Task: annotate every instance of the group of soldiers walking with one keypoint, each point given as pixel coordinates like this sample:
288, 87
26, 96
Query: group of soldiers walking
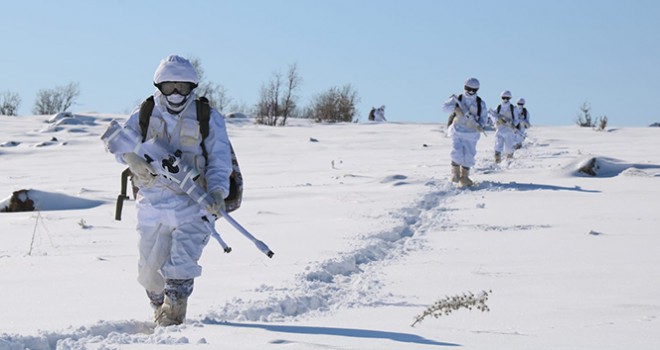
469, 117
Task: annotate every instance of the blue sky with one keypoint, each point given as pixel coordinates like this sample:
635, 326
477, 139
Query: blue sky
407, 55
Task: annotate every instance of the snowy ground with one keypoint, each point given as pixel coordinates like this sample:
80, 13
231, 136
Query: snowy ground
367, 233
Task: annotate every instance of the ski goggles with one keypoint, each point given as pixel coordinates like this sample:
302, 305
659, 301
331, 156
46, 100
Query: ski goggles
470, 90
506, 98
169, 87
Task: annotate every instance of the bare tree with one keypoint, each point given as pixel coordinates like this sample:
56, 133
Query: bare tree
69, 94
334, 105
55, 100
215, 93
268, 107
9, 102
278, 99
289, 100
197, 64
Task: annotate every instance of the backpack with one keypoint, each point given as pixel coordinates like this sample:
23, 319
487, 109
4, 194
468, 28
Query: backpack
460, 98
523, 114
499, 108
372, 117
234, 199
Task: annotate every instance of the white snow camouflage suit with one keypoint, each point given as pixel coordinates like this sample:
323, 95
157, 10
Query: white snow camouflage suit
523, 124
463, 133
172, 233
505, 128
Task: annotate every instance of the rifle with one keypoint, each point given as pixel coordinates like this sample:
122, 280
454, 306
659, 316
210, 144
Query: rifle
464, 114
503, 120
172, 171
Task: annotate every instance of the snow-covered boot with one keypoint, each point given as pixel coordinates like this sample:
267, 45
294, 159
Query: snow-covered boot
455, 172
156, 301
156, 298
465, 181
172, 312
509, 156
498, 157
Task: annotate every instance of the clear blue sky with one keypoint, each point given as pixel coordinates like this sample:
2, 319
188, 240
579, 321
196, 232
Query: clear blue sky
408, 55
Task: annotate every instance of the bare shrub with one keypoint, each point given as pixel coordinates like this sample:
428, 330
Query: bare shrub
55, 100
602, 123
9, 102
334, 105
585, 119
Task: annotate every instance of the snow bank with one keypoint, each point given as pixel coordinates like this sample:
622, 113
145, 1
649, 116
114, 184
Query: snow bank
44, 201
605, 167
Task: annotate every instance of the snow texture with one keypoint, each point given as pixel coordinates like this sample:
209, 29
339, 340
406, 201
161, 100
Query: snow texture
368, 232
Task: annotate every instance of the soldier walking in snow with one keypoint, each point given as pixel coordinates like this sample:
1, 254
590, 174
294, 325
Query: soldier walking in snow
505, 119
466, 122
170, 225
523, 123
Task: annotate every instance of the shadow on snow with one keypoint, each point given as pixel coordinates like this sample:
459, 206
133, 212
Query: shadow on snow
342, 332
530, 187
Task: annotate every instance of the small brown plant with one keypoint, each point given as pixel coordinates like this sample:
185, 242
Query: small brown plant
450, 304
602, 123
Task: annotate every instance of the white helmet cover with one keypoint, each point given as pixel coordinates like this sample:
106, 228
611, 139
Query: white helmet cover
506, 93
175, 68
521, 101
472, 83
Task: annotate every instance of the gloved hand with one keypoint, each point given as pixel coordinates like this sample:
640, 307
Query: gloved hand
458, 111
143, 172
218, 202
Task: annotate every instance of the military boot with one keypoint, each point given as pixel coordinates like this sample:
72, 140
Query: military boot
465, 181
498, 157
455, 172
172, 312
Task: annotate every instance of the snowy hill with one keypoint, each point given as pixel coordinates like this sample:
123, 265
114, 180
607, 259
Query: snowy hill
367, 232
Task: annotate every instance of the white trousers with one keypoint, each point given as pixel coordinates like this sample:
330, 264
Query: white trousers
505, 140
170, 252
463, 147
520, 136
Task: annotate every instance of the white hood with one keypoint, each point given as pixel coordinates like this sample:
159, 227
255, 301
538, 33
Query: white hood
175, 68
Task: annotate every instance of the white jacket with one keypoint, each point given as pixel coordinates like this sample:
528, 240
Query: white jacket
506, 118
181, 132
470, 123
